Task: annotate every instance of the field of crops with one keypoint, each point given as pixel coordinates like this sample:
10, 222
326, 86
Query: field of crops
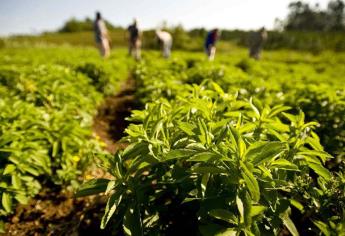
230, 147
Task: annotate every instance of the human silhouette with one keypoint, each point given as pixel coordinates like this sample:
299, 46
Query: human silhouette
101, 36
210, 43
256, 42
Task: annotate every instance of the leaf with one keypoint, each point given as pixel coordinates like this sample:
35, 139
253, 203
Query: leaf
288, 223
132, 224
320, 170
134, 150
251, 182
224, 215
278, 109
238, 141
186, 127
298, 205
92, 187
7, 202
257, 210
112, 204
264, 151
322, 227
218, 89
240, 208
255, 109
216, 230
208, 169
16, 181
204, 157
283, 164
9, 169
204, 181
2, 227
324, 156
179, 153
110, 186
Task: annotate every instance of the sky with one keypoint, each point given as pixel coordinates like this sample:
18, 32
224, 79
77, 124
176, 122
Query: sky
36, 16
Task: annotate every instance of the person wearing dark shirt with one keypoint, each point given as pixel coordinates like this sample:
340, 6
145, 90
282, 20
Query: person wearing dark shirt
210, 43
134, 42
101, 36
256, 42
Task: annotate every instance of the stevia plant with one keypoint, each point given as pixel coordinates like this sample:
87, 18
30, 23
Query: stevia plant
227, 165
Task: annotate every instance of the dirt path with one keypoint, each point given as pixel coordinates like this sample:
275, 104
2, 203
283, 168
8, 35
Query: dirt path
55, 211
110, 123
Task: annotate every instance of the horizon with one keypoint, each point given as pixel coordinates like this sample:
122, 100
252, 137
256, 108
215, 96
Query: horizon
26, 17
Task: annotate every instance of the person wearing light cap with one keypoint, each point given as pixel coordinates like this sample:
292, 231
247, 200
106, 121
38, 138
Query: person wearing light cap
101, 36
165, 40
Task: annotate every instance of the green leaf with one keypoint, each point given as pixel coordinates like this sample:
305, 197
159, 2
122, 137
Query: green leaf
112, 204
110, 186
179, 153
255, 108
278, 109
288, 223
204, 157
322, 227
218, 89
264, 151
257, 210
298, 205
186, 127
240, 208
134, 150
251, 182
208, 169
216, 230
320, 170
7, 202
92, 187
2, 227
132, 224
204, 181
224, 215
283, 164
9, 169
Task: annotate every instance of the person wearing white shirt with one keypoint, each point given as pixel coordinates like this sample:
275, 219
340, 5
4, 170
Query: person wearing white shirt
165, 40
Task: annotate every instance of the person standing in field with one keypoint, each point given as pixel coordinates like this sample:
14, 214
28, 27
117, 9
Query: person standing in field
165, 40
210, 43
134, 42
256, 41
101, 36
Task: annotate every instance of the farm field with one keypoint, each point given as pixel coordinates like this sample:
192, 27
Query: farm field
230, 147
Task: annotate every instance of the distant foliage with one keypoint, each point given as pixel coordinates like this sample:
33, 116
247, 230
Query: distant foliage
302, 16
74, 25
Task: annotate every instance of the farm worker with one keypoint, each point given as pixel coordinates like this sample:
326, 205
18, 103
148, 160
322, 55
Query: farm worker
165, 40
134, 42
101, 36
210, 43
256, 41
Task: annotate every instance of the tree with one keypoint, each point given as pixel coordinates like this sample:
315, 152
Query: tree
302, 16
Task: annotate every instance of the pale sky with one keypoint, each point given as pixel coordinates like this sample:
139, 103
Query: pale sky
35, 16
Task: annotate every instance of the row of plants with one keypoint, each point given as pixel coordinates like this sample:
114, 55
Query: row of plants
48, 97
225, 149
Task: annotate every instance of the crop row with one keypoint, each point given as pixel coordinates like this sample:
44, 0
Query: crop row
225, 149
47, 101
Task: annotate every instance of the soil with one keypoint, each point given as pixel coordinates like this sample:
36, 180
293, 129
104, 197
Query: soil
55, 210
110, 123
